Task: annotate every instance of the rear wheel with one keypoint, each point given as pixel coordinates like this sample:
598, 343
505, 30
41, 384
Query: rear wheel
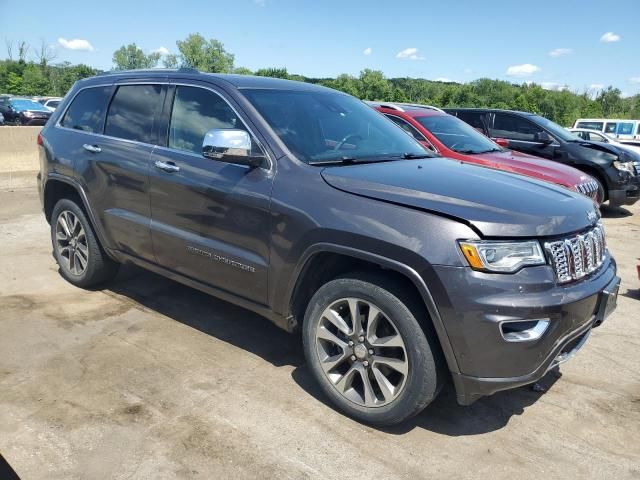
367, 350
81, 259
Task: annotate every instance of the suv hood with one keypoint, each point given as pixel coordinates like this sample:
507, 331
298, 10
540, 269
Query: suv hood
496, 203
523, 164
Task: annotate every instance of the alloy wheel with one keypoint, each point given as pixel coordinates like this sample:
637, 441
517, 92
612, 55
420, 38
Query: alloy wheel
361, 352
71, 243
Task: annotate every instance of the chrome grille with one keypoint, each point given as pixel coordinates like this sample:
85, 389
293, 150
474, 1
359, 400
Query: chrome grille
574, 257
590, 189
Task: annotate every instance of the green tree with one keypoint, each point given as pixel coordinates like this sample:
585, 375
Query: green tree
374, 85
130, 57
204, 55
242, 71
610, 101
273, 72
171, 61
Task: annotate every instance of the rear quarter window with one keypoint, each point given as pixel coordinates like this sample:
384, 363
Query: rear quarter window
87, 109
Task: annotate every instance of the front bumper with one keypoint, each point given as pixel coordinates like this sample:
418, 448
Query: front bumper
475, 305
627, 194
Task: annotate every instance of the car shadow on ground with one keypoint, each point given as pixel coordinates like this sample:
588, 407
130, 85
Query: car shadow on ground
255, 334
614, 212
6, 472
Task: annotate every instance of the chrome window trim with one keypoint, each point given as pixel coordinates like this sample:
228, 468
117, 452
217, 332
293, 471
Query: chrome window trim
153, 145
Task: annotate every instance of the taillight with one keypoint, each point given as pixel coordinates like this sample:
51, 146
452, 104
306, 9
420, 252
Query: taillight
39, 139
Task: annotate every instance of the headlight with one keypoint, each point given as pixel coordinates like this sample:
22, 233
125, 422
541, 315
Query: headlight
499, 256
28, 114
624, 166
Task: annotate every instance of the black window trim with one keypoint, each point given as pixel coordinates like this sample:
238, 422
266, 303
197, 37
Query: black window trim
414, 128
166, 121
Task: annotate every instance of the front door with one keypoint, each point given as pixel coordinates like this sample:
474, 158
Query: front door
210, 219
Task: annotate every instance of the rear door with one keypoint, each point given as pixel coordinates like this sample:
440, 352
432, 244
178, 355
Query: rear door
115, 166
522, 135
210, 219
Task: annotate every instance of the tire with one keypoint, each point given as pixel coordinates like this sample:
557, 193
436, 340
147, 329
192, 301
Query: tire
344, 383
82, 260
603, 194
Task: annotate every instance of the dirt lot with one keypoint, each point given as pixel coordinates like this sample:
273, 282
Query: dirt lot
150, 379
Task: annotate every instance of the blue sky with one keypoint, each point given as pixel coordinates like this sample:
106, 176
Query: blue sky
582, 44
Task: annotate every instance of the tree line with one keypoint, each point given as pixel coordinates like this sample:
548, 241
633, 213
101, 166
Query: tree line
32, 71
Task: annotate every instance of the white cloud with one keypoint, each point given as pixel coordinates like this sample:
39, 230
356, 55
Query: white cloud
554, 86
443, 79
161, 51
610, 37
367, 51
468, 70
75, 44
634, 80
596, 86
559, 52
523, 70
409, 54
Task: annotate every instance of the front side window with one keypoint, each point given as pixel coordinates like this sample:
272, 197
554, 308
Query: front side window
327, 127
457, 135
514, 128
86, 111
133, 111
475, 119
196, 111
610, 127
407, 127
594, 137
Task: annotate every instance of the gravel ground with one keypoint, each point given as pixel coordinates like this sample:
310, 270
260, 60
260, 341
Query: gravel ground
150, 379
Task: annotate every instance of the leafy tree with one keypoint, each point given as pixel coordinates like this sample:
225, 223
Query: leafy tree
242, 71
205, 55
373, 85
273, 72
130, 57
610, 101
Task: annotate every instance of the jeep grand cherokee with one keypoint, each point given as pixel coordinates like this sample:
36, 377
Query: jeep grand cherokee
305, 205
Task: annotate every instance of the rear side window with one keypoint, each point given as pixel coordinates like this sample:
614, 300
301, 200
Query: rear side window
610, 127
590, 125
133, 111
625, 128
475, 119
195, 112
86, 111
514, 128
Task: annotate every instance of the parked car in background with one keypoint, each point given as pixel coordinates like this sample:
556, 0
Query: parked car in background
450, 137
612, 168
22, 111
51, 103
401, 271
1, 119
618, 128
594, 136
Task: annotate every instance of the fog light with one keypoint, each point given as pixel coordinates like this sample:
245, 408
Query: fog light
524, 330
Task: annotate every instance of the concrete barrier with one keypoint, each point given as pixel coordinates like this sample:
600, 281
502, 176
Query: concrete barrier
18, 149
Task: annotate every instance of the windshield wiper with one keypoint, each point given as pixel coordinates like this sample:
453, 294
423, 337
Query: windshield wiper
349, 160
415, 156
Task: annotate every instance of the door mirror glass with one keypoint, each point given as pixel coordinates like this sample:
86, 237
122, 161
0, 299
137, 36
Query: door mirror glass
231, 145
543, 137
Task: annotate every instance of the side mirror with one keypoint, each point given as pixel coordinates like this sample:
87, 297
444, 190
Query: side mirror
232, 146
543, 137
503, 142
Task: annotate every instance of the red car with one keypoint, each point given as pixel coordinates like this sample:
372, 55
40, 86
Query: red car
452, 138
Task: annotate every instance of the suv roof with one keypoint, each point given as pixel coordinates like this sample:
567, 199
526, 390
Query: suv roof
410, 109
238, 81
472, 109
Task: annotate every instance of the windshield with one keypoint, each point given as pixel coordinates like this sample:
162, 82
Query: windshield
319, 127
457, 135
23, 104
556, 130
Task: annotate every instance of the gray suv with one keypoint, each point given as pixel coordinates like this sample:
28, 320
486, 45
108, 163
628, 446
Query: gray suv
401, 270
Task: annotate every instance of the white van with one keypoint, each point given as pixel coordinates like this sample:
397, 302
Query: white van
616, 128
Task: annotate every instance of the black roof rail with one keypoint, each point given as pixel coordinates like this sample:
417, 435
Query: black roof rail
149, 70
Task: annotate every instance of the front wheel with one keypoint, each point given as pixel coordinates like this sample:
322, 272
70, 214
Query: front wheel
367, 351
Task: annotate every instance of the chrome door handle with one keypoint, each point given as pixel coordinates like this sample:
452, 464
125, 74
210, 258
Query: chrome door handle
92, 148
167, 166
